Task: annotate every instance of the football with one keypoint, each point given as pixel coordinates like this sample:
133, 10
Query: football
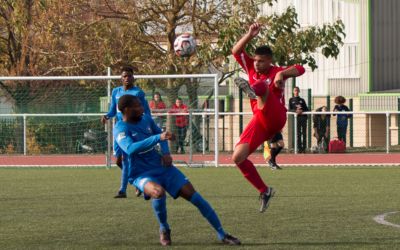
185, 45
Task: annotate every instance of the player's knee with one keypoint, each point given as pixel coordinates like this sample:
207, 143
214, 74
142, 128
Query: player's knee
260, 88
281, 144
157, 192
237, 158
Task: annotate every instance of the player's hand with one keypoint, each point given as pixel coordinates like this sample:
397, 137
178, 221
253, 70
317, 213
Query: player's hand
167, 136
299, 111
278, 80
254, 29
316, 136
103, 119
166, 160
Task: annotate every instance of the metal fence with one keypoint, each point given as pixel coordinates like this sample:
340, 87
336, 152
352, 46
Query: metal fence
26, 133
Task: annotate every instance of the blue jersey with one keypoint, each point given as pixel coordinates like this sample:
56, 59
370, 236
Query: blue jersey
117, 93
342, 118
138, 141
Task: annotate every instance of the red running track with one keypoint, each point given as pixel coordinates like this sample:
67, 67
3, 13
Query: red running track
224, 159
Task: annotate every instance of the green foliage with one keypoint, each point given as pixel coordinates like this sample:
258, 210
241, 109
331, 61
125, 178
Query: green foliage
290, 43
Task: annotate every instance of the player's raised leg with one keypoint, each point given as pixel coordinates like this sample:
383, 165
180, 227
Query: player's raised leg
189, 193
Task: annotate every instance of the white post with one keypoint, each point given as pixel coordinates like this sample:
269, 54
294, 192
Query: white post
190, 137
109, 122
203, 121
387, 132
295, 133
24, 124
216, 107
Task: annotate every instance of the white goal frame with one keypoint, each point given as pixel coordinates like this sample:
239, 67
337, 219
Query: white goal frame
110, 77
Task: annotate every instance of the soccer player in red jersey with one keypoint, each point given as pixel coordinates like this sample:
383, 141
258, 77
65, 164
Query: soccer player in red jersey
267, 103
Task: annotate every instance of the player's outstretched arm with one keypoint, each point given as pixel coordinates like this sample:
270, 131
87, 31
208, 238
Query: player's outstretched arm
130, 146
241, 44
292, 71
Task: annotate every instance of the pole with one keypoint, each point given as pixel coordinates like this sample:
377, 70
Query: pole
203, 122
216, 107
387, 132
190, 137
24, 124
328, 106
109, 123
398, 122
309, 97
295, 133
240, 110
351, 123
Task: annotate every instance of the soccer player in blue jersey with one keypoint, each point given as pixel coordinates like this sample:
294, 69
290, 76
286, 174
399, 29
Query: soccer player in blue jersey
153, 172
127, 88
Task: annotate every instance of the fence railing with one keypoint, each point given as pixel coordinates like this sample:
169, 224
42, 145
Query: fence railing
370, 131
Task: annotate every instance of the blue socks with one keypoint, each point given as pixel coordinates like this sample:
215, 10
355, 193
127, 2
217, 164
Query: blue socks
160, 211
124, 175
208, 212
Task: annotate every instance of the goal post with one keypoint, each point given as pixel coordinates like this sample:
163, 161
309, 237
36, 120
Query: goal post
26, 120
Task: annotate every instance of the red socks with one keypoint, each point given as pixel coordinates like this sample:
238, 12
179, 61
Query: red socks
249, 172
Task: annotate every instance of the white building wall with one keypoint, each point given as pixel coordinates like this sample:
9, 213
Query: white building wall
331, 73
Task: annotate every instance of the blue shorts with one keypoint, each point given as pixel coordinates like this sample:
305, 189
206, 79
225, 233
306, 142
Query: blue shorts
170, 178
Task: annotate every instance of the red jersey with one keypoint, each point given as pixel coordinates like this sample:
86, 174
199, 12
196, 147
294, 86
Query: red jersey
180, 120
157, 105
247, 64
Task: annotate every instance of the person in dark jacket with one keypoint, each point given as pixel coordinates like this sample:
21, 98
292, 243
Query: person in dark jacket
298, 105
342, 119
321, 127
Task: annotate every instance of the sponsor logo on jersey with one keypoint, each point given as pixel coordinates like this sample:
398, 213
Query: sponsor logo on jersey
121, 136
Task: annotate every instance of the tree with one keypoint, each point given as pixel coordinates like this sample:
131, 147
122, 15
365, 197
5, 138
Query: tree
217, 24
50, 37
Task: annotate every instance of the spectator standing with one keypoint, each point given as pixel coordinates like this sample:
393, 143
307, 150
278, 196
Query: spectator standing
342, 119
298, 105
181, 123
158, 106
321, 127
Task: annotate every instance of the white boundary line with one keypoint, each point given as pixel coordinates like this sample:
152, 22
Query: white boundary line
381, 219
209, 164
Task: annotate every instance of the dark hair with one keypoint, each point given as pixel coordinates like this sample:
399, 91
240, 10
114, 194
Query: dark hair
296, 88
127, 101
321, 108
180, 99
128, 69
340, 99
157, 93
263, 51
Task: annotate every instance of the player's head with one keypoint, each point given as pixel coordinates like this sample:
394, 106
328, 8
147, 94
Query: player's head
340, 100
131, 108
262, 59
296, 91
127, 77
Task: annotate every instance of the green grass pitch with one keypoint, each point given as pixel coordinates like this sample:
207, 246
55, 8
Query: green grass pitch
314, 208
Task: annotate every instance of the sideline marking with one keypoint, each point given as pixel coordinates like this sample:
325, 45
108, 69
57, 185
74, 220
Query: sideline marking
381, 219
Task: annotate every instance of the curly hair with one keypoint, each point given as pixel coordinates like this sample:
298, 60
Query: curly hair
340, 99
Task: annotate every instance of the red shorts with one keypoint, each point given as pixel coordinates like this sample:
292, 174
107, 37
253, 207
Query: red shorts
264, 124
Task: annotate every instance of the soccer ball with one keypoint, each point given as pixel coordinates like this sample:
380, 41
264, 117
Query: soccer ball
184, 45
